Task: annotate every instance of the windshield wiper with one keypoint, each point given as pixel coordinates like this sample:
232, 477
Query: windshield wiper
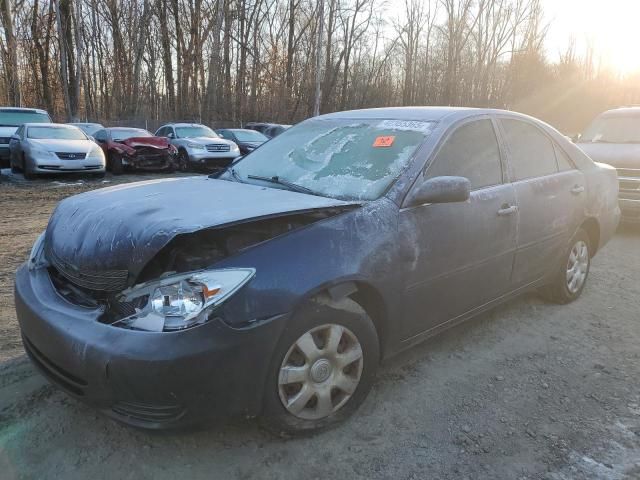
285, 183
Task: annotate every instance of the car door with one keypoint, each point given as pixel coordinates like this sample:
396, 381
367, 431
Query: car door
550, 194
462, 253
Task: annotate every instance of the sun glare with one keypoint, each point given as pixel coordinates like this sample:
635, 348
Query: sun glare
612, 28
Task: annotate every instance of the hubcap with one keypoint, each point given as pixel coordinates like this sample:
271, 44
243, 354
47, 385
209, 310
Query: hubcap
320, 372
577, 266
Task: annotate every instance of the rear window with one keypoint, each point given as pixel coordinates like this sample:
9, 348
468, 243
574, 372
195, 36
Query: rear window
16, 118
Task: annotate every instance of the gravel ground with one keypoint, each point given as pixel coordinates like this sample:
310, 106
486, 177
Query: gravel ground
527, 391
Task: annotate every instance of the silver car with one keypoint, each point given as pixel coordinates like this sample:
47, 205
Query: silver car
614, 138
38, 148
10, 119
198, 146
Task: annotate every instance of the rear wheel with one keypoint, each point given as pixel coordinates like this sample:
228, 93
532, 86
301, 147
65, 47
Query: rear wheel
323, 367
571, 277
115, 160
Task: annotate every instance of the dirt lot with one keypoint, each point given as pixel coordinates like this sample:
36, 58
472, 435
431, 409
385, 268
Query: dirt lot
528, 391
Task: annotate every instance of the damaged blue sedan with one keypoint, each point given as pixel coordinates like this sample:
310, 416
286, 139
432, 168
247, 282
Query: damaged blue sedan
275, 289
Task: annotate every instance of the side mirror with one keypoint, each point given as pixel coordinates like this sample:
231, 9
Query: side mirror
575, 138
171, 135
441, 190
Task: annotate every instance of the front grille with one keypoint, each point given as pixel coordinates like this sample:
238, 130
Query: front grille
57, 374
147, 412
218, 147
71, 155
104, 281
629, 172
629, 183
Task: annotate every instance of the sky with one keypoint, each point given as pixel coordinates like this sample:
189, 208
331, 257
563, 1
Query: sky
612, 25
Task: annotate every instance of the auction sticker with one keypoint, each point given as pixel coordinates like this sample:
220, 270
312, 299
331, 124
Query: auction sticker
384, 141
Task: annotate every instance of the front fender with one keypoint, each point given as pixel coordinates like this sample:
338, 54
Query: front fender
357, 246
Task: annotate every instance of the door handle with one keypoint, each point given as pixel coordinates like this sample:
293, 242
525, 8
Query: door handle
577, 189
507, 210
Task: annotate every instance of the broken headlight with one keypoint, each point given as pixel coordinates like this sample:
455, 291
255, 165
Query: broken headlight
181, 301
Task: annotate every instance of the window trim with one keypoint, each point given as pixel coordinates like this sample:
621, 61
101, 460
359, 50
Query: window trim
449, 133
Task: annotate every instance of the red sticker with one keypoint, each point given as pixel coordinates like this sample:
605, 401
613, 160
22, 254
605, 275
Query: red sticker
384, 141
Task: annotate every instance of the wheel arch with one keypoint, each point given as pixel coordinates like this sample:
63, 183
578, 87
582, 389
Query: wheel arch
365, 295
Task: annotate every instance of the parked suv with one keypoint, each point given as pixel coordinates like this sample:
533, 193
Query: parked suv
10, 119
614, 138
198, 146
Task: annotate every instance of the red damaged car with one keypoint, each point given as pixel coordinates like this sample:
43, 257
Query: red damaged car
135, 148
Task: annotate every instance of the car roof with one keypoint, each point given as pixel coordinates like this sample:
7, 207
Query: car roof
21, 109
54, 125
183, 124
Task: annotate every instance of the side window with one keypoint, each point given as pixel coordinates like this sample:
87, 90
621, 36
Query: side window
471, 151
162, 132
564, 164
101, 135
532, 153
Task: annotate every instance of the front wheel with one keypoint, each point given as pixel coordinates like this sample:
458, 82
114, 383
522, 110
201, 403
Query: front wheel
26, 171
183, 161
323, 367
115, 159
571, 277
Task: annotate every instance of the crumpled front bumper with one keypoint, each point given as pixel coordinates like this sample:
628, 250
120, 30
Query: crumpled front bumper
146, 379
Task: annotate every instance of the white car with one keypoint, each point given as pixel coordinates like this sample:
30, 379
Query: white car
38, 148
198, 146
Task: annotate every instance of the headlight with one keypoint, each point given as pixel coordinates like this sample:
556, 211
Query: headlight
195, 146
95, 151
39, 152
182, 301
235, 147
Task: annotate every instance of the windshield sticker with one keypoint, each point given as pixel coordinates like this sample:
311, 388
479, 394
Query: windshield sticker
384, 141
425, 127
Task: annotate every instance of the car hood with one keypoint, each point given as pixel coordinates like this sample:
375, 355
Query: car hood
124, 226
208, 140
154, 142
7, 131
71, 146
618, 155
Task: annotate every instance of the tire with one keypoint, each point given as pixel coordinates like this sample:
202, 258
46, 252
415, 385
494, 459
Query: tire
115, 161
183, 161
565, 286
26, 171
339, 376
